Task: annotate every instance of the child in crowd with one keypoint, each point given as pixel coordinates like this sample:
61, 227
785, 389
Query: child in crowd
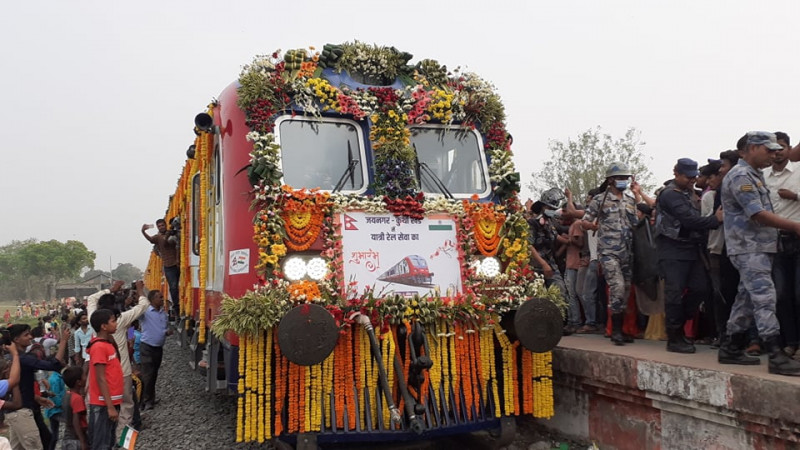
135, 341
83, 334
105, 380
54, 413
76, 429
10, 373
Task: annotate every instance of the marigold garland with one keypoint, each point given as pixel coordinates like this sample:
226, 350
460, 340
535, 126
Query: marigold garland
487, 222
303, 213
204, 228
543, 384
304, 291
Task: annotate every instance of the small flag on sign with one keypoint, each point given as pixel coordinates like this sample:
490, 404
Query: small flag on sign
440, 227
128, 438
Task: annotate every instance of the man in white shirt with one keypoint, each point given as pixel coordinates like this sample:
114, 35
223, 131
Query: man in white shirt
783, 181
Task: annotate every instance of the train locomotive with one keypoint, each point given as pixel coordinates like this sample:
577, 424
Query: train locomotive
354, 257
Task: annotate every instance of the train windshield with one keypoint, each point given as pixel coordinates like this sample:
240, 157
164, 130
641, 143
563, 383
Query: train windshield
455, 156
322, 153
418, 261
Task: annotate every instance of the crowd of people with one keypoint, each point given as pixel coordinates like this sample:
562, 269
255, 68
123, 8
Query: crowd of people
27, 309
721, 241
83, 381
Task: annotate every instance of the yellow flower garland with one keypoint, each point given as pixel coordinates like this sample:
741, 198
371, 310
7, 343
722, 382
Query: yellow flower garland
202, 222
387, 351
240, 390
543, 385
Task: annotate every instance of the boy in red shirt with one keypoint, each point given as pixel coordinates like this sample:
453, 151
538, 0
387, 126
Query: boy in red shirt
105, 380
75, 433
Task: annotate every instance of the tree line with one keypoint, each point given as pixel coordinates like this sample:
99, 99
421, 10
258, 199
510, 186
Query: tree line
32, 269
580, 163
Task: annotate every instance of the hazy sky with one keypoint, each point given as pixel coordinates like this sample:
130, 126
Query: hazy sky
99, 97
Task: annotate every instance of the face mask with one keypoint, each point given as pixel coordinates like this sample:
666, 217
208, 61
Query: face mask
621, 184
550, 212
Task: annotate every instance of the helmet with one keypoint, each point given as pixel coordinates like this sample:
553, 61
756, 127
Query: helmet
552, 198
618, 169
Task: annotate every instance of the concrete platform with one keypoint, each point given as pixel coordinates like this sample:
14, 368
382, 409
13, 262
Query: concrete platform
639, 396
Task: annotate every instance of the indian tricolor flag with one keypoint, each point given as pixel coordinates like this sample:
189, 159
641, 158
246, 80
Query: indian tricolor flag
128, 438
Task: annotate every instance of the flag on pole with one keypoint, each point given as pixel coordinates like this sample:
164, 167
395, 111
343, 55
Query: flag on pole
128, 438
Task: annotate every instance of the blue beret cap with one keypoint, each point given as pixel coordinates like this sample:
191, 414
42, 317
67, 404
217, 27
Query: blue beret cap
687, 167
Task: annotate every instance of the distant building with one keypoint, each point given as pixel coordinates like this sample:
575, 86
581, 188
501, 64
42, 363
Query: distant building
85, 288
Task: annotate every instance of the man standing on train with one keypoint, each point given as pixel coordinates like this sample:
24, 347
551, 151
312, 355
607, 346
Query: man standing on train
166, 246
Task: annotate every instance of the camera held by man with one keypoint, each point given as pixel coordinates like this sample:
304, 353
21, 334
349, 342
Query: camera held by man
173, 234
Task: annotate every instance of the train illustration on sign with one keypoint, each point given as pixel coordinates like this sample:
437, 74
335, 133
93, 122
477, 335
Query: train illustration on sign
411, 270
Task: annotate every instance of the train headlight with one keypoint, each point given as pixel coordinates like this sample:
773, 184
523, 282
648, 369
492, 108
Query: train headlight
294, 268
317, 268
487, 267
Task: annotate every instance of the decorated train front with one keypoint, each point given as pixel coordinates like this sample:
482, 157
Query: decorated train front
355, 259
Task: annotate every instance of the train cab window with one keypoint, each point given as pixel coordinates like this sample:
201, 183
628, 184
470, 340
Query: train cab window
455, 156
324, 153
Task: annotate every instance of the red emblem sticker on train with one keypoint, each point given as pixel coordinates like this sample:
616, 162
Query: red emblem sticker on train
349, 223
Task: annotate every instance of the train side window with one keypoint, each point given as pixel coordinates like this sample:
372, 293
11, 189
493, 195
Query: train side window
217, 174
196, 214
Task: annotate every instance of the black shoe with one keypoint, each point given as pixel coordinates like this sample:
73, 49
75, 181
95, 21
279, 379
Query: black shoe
779, 363
627, 338
676, 342
617, 337
731, 351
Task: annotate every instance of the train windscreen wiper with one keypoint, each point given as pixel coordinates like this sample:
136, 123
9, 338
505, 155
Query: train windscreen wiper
422, 168
350, 170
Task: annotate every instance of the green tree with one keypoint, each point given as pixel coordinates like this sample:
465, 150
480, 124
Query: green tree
580, 164
127, 272
35, 267
13, 283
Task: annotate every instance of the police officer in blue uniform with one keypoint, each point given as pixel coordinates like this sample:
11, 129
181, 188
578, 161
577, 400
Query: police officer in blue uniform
681, 234
751, 237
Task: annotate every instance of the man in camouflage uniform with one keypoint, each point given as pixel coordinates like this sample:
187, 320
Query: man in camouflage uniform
751, 238
544, 237
613, 215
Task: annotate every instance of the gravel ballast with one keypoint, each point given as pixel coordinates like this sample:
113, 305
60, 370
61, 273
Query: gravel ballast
186, 416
